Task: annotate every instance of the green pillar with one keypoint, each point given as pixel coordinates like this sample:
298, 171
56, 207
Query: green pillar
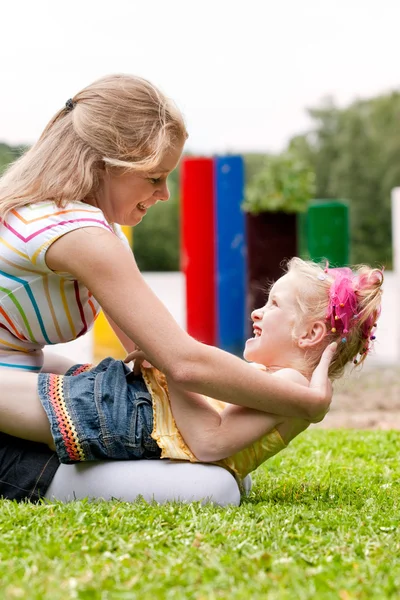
323, 232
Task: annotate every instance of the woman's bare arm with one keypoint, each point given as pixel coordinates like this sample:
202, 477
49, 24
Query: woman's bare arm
101, 262
125, 341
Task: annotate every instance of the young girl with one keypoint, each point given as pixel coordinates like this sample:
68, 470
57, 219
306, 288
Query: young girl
110, 412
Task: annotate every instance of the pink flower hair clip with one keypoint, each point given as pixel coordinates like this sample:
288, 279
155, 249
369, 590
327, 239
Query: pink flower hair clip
342, 301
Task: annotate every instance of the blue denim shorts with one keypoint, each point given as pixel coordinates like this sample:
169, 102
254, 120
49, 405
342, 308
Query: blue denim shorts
98, 413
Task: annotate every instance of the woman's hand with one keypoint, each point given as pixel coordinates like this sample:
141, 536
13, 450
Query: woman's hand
139, 358
321, 383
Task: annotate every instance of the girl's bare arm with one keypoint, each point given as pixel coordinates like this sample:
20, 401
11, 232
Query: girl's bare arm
101, 261
212, 436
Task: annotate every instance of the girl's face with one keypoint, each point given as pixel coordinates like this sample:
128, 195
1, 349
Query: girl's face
273, 344
125, 198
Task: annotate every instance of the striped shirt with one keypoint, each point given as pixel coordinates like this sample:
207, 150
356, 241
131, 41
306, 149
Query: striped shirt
37, 305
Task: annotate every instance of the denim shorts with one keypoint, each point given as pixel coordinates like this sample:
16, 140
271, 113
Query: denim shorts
26, 469
98, 413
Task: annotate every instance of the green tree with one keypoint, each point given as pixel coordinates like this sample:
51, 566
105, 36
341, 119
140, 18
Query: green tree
355, 153
283, 183
9, 154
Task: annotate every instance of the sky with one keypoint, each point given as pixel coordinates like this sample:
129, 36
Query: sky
242, 72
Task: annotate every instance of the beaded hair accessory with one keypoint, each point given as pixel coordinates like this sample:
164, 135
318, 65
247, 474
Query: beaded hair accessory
342, 307
342, 300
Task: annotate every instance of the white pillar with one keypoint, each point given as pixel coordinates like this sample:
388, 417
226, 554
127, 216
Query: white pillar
396, 229
396, 267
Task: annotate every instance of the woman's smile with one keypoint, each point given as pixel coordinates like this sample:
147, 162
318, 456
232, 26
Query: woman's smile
142, 207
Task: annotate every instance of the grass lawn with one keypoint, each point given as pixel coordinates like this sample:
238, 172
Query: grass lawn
322, 521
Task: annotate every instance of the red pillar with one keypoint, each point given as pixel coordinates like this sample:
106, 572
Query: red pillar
198, 252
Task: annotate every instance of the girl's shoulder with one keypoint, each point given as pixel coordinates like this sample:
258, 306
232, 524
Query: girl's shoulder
258, 366
287, 373
292, 375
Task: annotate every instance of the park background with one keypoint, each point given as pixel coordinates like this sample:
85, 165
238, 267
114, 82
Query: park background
314, 84
344, 140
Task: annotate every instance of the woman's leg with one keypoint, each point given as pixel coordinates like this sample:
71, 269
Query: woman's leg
155, 480
56, 363
21, 412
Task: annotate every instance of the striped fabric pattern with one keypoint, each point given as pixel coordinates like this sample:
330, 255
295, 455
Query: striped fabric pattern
37, 306
65, 423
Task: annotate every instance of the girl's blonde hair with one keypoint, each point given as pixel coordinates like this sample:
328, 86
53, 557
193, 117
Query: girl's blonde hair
313, 285
118, 121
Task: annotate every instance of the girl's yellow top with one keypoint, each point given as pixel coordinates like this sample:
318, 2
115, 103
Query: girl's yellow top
172, 444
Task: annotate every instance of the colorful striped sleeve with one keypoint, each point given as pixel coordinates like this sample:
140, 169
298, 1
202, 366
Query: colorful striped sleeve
44, 223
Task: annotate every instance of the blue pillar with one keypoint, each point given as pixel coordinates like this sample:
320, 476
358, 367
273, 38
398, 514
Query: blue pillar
230, 249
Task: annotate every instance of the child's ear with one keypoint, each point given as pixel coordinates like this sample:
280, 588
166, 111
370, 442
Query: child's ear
313, 335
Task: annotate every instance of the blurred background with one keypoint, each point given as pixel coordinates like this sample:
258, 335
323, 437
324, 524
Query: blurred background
308, 90
257, 78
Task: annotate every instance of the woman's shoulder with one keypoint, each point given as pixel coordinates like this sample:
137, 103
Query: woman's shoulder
42, 210
41, 224
47, 220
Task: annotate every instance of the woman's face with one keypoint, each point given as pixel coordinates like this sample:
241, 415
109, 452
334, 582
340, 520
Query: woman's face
125, 198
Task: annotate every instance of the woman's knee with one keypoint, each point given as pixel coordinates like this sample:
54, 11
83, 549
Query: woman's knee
213, 484
159, 481
225, 490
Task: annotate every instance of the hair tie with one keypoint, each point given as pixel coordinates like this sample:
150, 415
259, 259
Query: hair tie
69, 105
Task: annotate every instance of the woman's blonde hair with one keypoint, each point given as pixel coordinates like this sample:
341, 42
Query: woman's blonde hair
313, 286
118, 121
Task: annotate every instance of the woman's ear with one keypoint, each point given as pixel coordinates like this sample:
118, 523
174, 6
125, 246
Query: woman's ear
313, 335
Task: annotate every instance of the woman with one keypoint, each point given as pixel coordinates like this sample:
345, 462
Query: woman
101, 162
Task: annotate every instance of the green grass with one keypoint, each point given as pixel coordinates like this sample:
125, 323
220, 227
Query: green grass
321, 522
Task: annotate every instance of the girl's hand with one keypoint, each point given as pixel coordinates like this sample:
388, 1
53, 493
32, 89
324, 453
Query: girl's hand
139, 359
320, 382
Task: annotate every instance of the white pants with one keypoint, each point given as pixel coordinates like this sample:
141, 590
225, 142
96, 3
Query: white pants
155, 480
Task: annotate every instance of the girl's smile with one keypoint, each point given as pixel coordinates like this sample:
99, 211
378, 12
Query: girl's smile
273, 343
